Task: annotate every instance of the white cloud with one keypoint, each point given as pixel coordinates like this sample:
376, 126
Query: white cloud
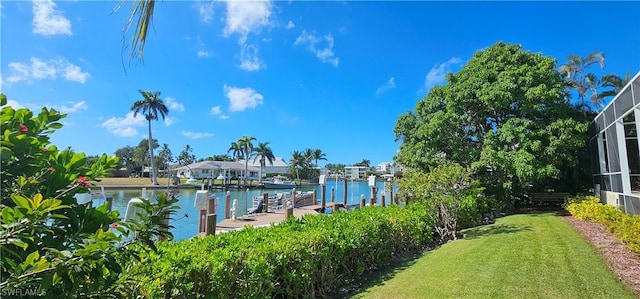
291, 25
123, 126
244, 17
75, 107
249, 60
39, 69
42, 70
73, 73
169, 121
438, 72
391, 83
48, 21
206, 11
202, 53
173, 105
196, 135
242, 98
326, 54
14, 104
217, 111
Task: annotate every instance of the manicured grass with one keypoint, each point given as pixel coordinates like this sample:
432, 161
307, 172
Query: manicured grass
520, 256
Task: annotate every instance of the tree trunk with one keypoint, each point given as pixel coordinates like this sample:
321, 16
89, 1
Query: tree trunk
154, 179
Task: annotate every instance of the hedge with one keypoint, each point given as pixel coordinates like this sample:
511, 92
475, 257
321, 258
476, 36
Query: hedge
624, 226
303, 258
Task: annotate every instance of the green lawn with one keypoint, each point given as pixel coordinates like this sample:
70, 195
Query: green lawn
520, 256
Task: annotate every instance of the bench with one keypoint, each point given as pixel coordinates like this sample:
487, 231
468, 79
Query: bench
548, 196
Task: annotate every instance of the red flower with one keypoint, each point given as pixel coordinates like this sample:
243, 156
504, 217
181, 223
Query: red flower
114, 225
51, 169
44, 149
24, 129
82, 181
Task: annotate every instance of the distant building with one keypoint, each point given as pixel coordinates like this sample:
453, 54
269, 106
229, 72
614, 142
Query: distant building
383, 167
615, 150
213, 169
278, 166
355, 172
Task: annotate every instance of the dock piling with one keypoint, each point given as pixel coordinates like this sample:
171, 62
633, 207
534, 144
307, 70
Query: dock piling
227, 205
211, 224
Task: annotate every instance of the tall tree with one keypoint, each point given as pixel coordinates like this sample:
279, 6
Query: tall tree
126, 154
152, 107
246, 146
265, 153
141, 154
165, 156
364, 163
318, 155
503, 113
575, 73
298, 161
236, 151
614, 82
186, 156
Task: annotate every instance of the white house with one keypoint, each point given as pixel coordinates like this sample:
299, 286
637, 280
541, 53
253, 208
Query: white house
355, 172
383, 167
278, 166
213, 169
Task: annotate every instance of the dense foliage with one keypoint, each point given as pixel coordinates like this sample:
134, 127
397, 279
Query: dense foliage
623, 225
450, 194
48, 241
294, 259
504, 113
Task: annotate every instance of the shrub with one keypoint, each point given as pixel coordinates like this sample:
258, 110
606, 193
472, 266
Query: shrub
449, 193
624, 226
48, 241
295, 259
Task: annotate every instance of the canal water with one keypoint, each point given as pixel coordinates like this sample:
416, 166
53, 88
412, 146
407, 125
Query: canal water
185, 221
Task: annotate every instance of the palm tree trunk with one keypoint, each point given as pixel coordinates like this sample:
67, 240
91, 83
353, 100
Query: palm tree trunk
153, 167
246, 168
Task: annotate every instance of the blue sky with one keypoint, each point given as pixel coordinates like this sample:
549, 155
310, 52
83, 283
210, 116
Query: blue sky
328, 75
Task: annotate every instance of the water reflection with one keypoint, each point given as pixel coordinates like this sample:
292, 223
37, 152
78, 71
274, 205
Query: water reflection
185, 221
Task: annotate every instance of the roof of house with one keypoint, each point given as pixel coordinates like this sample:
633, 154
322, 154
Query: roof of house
277, 162
218, 165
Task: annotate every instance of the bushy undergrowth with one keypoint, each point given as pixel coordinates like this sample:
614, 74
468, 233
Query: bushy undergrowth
295, 259
624, 226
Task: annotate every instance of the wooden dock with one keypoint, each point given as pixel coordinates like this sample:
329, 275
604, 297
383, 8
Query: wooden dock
262, 219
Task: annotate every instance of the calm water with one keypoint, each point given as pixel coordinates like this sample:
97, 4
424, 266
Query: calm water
185, 222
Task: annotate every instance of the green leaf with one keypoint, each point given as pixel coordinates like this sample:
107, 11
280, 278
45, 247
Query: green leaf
21, 201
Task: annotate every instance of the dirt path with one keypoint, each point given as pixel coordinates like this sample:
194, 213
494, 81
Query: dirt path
622, 261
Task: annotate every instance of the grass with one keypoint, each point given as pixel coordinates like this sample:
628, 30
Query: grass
520, 256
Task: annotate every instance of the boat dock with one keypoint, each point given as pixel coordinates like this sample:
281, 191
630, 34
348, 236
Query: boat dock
264, 219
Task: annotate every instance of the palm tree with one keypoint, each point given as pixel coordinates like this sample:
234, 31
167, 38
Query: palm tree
151, 106
298, 160
612, 81
308, 155
246, 145
165, 156
236, 152
266, 154
319, 155
141, 14
574, 72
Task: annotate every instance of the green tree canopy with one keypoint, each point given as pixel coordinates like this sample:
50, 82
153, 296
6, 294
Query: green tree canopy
504, 113
186, 156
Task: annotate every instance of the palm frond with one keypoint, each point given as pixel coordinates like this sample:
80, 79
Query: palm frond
141, 13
